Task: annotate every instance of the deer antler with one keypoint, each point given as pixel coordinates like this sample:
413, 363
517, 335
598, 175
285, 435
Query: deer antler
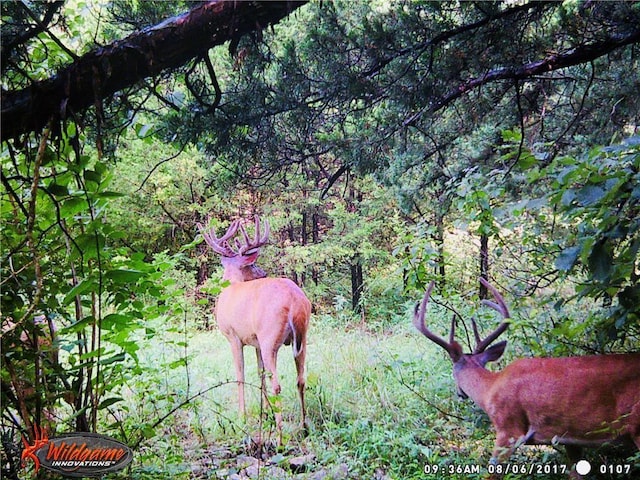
501, 307
419, 323
220, 245
258, 240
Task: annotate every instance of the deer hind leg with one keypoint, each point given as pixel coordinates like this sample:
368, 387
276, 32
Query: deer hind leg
238, 360
263, 386
270, 364
300, 358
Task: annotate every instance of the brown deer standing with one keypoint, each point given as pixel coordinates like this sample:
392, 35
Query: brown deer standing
577, 401
257, 310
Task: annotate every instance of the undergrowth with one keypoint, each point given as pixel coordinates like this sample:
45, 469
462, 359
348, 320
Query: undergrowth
381, 404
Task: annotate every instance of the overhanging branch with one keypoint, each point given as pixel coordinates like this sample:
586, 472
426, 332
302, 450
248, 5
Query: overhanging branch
576, 56
140, 55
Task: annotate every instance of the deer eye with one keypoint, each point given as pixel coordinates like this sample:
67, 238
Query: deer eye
251, 251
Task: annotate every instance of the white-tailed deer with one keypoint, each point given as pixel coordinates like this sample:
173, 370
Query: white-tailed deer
574, 401
257, 310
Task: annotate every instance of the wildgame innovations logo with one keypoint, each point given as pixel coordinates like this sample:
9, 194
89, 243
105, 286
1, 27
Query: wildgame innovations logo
77, 454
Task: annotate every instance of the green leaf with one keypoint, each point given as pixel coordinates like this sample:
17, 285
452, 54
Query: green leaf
118, 357
86, 285
115, 320
568, 258
92, 176
109, 194
526, 160
107, 402
58, 190
90, 245
72, 206
124, 276
601, 262
590, 194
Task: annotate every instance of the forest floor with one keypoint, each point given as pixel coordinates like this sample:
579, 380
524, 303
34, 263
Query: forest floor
380, 405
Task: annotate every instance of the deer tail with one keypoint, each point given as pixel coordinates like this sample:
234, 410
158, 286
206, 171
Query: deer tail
296, 343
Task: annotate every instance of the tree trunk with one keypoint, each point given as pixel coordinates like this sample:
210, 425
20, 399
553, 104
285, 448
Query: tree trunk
357, 283
303, 240
292, 238
440, 248
484, 264
315, 234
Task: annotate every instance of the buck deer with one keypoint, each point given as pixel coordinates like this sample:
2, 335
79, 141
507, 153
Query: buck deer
257, 310
577, 401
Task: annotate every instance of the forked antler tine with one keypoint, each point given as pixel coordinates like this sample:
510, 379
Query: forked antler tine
501, 307
419, 322
452, 332
258, 240
265, 236
220, 245
476, 334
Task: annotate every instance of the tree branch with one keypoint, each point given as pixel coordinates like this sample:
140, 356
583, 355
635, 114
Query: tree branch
449, 34
575, 56
125, 62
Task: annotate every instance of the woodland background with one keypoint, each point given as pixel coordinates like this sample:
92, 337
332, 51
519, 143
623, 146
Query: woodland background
388, 143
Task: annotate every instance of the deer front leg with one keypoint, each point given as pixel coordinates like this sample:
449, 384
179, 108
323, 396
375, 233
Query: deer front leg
574, 453
507, 440
502, 450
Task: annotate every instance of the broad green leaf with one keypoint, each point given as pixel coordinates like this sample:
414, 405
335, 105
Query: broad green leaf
124, 276
107, 402
601, 262
568, 258
590, 194
72, 206
86, 285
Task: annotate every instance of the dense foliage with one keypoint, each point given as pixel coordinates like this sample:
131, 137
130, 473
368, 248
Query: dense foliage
387, 143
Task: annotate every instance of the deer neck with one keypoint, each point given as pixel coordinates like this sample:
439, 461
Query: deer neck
243, 274
473, 380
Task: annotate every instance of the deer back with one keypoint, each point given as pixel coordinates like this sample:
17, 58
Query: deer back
263, 309
582, 400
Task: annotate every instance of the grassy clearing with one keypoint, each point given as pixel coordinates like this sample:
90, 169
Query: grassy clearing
380, 405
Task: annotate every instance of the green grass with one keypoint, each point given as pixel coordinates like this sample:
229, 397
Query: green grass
380, 405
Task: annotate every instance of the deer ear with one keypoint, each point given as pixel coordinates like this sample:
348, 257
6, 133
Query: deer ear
493, 353
250, 258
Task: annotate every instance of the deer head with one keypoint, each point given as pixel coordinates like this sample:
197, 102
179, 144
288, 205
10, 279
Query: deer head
483, 351
574, 401
239, 262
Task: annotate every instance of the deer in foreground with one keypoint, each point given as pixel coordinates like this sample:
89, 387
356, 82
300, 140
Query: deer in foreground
574, 401
257, 310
